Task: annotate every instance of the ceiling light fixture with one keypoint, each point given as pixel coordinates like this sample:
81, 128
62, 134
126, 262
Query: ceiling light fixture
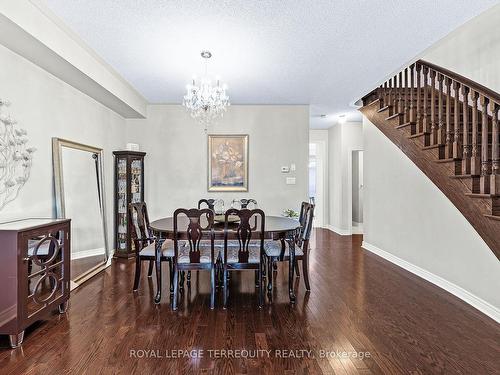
206, 103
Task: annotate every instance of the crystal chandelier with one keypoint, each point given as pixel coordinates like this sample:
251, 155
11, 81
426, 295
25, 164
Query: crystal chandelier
205, 102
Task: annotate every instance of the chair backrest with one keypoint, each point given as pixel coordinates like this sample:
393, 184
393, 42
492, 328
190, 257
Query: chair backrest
139, 221
195, 230
305, 219
215, 205
243, 203
251, 224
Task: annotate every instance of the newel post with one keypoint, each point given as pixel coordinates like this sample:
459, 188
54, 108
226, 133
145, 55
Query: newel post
441, 136
434, 126
419, 104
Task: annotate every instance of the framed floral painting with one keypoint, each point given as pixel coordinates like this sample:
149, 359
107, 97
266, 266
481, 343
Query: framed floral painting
227, 162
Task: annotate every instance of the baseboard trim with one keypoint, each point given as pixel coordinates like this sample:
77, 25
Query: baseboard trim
457, 291
88, 253
342, 232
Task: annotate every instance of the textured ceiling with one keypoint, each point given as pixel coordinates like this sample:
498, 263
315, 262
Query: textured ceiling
325, 53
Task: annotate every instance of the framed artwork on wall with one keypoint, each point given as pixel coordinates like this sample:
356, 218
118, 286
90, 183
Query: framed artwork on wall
228, 162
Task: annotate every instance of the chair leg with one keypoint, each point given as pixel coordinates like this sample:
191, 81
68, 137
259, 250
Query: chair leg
212, 290
176, 289
150, 269
171, 270
256, 279
189, 279
261, 287
226, 292
297, 268
275, 266
181, 282
305, 270
270, 274
137, 272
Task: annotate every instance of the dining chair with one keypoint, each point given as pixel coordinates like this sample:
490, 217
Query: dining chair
195, 254
278, 251
248, 254
216, 205
243, 203
145, 242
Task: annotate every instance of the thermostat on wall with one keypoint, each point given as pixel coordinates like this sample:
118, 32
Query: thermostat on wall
285, 169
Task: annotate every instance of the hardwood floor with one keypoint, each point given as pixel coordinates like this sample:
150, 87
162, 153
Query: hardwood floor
359, 303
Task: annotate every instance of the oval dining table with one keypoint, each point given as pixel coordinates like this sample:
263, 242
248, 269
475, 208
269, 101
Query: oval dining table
276, 227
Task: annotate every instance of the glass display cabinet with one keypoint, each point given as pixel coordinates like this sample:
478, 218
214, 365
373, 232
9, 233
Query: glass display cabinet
129, 188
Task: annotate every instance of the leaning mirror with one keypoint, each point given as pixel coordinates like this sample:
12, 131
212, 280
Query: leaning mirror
79, 193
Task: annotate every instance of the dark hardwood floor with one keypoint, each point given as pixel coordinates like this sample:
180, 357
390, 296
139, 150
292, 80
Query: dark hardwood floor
359, 304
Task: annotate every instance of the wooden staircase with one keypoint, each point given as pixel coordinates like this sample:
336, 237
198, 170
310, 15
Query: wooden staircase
448, 126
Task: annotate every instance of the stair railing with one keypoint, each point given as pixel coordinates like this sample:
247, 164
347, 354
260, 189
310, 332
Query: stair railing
453, 112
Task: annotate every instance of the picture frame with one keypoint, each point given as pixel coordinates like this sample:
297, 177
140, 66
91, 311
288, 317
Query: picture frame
227, 162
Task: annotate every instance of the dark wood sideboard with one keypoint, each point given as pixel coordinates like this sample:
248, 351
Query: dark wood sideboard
34, 273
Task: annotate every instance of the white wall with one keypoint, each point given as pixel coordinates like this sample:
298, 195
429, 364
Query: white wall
343, 138
47, 107
407, 216
472, 50
176, 163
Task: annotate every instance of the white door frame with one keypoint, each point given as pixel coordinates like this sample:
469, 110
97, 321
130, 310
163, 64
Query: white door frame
349, 186
321, 191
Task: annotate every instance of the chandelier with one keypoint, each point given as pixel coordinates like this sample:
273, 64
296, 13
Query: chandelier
204, 101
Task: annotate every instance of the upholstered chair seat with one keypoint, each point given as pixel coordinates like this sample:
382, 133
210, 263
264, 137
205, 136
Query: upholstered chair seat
273, 249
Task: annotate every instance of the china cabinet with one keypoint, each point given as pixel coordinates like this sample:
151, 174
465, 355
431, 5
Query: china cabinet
129, 188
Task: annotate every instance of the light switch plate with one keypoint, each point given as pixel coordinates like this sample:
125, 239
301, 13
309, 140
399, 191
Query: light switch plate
290, 180
293, 167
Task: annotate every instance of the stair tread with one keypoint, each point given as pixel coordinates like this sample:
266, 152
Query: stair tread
458, 176
405, 125
418, 135
494, 217
478, 195
394, 116
447, 160
384, 108
432, 147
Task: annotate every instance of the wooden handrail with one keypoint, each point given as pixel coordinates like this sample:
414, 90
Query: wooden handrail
480, 89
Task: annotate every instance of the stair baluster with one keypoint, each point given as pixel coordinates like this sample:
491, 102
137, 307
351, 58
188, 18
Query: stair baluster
400, 93
475, 160
449, 133
441, 137
485, 163
406, 117
495, 159
433, 108
466, 154
457, 149
419, 106
425, 122
412, 87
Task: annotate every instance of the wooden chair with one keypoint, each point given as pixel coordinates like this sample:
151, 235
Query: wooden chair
196, 254
213, 204
247, 255
278, 251
145, 242
243, 203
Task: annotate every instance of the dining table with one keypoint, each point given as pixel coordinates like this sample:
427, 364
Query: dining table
275, 228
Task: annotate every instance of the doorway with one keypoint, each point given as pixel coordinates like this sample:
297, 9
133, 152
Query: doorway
357, 192
317, 173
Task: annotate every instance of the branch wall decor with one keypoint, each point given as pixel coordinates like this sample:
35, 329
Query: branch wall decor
16, 158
